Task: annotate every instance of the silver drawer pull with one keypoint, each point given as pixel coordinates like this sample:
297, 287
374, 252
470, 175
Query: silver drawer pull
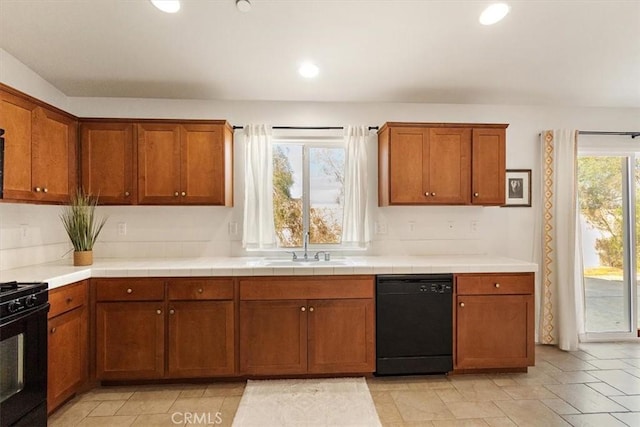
310, 308
158, 311
172, 311
129, 290
497, 285
200, 290
303, 309
461, 304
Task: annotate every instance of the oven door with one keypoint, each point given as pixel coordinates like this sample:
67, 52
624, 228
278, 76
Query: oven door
23, 377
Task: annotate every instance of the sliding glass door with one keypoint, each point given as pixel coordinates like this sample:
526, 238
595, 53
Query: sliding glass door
608, 188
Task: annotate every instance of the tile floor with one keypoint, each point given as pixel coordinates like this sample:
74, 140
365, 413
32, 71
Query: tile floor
596, 386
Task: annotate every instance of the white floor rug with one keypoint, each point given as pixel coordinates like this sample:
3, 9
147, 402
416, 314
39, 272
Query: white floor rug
312, 402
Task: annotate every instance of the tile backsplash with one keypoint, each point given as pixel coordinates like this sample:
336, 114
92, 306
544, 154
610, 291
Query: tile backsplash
33, 234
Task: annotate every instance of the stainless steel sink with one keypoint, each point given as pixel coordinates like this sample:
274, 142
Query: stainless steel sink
290, 263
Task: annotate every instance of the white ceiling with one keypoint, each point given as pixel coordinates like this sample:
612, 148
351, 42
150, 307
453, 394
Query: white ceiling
563, 52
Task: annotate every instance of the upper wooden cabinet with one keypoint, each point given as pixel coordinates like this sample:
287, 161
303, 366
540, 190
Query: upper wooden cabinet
40, 156
441, 164
107, 151
185, 163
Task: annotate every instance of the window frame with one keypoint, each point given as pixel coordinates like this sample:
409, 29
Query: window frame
308, 142
630, 154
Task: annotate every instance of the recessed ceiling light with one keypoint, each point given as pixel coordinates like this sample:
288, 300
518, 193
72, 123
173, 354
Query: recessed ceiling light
309, 70
243, 5
168, 6
494, 13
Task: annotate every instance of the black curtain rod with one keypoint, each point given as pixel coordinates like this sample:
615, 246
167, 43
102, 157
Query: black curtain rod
309, 127
595, 132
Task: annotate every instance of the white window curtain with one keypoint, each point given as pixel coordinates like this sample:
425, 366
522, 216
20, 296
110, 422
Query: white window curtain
561, 263
259, 228
355, 223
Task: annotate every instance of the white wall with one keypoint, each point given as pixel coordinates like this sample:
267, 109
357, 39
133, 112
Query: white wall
203, 231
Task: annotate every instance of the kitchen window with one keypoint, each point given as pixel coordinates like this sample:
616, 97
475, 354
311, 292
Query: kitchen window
308, 191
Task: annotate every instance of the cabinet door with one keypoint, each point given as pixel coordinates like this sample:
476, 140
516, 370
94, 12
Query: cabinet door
448, 167
494, 331
67, 358
54, 155
129, 340
15, 119
159, 164
201, 338
273, 337
203, 165
107, 153
407, 158
489, 167
341, 336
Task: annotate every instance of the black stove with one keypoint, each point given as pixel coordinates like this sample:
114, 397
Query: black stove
16, 298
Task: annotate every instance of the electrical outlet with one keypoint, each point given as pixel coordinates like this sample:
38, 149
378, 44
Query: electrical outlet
233, 228
24, 231
122, 229
412, 226
381, 228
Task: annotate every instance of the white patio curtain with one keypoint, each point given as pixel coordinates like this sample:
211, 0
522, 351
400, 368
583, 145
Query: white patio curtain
561, 263
259, 228
355, 223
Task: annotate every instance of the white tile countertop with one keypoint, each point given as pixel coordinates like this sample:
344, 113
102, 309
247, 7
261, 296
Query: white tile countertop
62, 273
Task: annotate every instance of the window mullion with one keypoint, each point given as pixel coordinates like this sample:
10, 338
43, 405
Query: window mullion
306, 188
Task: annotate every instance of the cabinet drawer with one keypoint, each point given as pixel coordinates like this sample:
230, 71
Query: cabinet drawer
494, 284
67, 298
200, 289
316, 287
129, 290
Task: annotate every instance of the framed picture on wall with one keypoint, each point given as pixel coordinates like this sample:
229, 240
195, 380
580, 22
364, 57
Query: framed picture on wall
518, 191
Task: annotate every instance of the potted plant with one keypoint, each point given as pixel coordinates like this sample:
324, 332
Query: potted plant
82, 226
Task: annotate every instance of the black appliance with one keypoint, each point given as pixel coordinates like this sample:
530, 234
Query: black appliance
414, 324
1, 163
23, 354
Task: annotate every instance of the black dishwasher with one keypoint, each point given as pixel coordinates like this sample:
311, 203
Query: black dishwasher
414, 324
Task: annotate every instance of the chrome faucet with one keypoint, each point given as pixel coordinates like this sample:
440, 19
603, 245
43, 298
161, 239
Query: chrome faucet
305, 243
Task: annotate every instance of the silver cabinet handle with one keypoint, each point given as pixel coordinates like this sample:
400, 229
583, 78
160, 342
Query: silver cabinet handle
129, 290
176, 194
158, 311
200, 290
37, 189
461, 304
433, 194
476, 194
184, 193
426, 194
310, 308
497, 285
172, 311
303, 309
53, 330
126, 193
45, 189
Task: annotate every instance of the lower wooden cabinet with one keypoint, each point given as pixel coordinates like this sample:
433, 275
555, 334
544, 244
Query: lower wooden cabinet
273, 337
157, 328
313, 325
494, 321
68, 343
129, 340
201, 339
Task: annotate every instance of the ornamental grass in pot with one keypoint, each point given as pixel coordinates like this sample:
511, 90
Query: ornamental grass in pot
82, 226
